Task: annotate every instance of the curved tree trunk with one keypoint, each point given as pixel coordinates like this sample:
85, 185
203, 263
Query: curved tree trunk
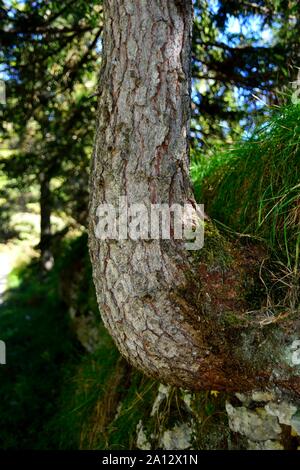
178, 316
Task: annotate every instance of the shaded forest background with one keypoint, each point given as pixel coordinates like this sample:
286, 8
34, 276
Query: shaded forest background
65, 385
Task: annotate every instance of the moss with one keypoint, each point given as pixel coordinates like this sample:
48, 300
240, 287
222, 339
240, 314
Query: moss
233, 319
216, 252
253, 188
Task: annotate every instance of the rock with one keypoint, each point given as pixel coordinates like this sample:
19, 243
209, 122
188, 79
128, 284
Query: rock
258, 396
262, 396
177, 438
256, 426
163, 393
142, 442
293, 353
295, 423
283, 411
243, 397
265, 445
187, 398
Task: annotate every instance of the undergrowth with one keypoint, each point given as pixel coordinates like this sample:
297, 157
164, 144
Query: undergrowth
253, 189
39, 345
56, 395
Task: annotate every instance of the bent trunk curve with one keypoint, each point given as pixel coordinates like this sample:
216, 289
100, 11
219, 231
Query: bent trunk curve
168, 309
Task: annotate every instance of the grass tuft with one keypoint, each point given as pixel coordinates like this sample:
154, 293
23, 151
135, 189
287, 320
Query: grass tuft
254, 188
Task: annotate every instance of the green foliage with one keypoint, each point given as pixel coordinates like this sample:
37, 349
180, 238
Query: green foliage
39, 341
55, 395
244, 54
136, 406
49, 63
252, 191
80, 417
254, 188
50, 57
212, 431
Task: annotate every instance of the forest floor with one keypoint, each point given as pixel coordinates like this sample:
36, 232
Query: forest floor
11, 255
18, 250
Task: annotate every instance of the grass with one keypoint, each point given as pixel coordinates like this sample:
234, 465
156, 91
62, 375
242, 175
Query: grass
39, 344
56, 395
135, 406
254, 189
43, 352
83, 408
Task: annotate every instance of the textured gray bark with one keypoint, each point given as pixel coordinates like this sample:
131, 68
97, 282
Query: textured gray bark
153, 294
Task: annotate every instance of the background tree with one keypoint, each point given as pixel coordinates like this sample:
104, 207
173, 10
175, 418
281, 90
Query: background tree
244, 54
49, 54
48, 58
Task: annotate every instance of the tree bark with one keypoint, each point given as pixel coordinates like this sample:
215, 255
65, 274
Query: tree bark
180, 318
45, 225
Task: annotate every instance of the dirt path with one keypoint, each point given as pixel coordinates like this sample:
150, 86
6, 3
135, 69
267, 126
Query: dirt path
11, 254
6, 265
